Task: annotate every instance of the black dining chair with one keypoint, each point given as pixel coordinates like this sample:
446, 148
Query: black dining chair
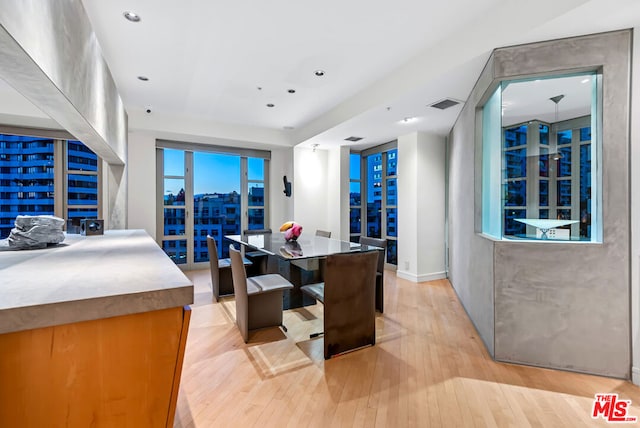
221, 280
348, 296
259, 259
324, 233
256, 231
382, 244
258, 298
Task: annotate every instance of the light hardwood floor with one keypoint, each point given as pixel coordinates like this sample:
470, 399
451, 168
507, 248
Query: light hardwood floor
429, 368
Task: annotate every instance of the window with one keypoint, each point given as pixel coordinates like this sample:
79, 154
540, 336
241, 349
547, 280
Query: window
381, 196
32, 168
173, 200
355, 200
391, 206
374, 196
225, 189
216, 189
82, 181
255, 192
541, 181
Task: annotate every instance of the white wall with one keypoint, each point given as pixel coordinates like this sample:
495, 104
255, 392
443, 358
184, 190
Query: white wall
431, 206
281, 207
407, 206
421, 207
311, 188
142, 182
338, 193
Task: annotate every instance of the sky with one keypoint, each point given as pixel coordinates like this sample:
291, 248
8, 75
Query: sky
220, 173
212, 172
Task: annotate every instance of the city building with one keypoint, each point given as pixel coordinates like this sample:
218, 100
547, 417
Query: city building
215, 215
27, 179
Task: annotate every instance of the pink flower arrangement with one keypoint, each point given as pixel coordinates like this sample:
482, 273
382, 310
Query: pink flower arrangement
292, 230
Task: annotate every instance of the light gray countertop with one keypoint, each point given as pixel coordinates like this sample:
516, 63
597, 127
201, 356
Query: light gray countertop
88, 277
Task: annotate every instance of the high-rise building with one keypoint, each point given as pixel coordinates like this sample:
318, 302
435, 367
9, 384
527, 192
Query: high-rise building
217, 215
27, 179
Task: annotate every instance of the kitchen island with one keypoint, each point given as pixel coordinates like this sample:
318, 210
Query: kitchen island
92, 333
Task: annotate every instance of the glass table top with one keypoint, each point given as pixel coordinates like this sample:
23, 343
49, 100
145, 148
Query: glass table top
306, 246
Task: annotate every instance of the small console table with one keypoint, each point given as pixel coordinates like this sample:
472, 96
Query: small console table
545, 224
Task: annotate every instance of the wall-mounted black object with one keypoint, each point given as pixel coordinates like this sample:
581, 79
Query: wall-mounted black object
91, 227
287, 186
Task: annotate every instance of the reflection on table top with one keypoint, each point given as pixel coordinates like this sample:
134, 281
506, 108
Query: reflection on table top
307, 246
543, 223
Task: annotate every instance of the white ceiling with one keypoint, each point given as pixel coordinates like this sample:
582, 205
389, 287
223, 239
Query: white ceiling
383, 62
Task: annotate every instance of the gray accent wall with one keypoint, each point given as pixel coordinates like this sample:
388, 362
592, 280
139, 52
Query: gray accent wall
550, 304
50, 55
470, 255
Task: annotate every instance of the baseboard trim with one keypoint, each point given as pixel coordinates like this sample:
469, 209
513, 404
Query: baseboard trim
420, 278
635, 375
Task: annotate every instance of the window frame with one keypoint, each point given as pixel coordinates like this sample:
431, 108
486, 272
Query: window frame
496, 149
382, 150
355, 237
246, 182
190, 235
65, 182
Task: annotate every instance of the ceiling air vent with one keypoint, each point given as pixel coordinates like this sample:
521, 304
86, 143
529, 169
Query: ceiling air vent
353, 139
445, 104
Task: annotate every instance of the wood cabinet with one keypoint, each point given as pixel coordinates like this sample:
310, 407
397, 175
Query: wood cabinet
101, 369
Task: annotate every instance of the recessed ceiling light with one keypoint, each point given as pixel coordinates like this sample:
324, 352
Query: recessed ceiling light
132, 16
271, 105
291, 91
143, 78
319, 73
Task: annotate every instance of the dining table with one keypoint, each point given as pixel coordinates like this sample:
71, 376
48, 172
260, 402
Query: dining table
301, 261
